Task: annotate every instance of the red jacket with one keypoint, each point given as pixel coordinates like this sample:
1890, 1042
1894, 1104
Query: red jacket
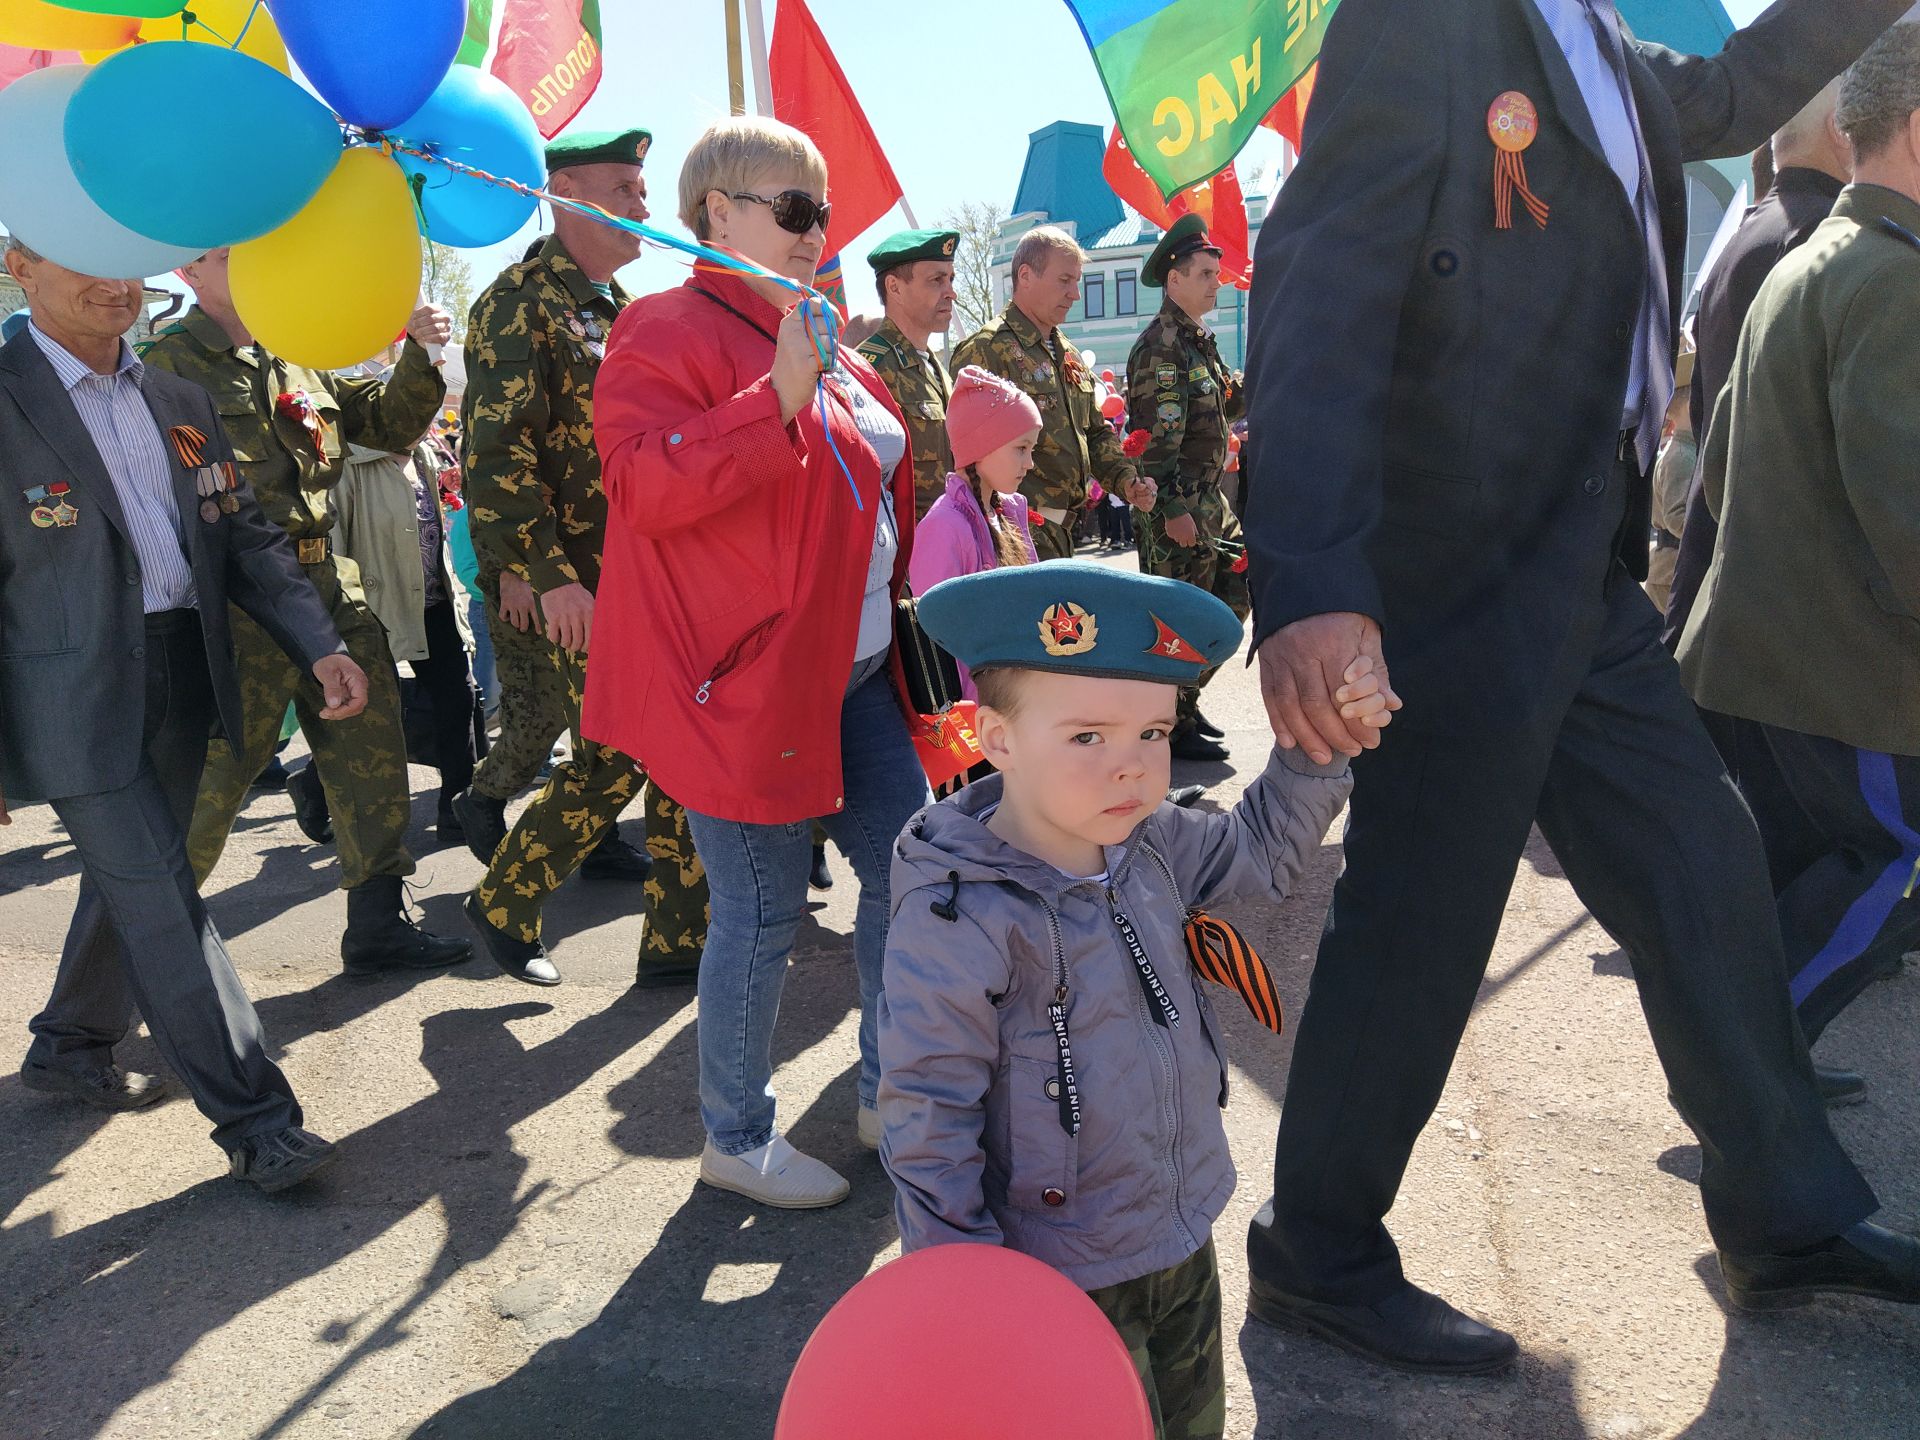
729, 604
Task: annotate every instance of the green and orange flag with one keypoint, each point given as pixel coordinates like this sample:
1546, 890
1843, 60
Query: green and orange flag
1191, 80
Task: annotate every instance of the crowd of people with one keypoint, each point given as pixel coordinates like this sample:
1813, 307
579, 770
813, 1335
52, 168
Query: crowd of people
686, 534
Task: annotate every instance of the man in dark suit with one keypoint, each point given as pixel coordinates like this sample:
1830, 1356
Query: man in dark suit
124, 533
1489, 215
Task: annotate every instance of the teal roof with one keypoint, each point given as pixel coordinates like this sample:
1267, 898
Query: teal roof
1062, 179
1698, 27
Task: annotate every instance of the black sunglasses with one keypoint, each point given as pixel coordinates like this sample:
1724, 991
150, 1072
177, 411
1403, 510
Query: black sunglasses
793, 210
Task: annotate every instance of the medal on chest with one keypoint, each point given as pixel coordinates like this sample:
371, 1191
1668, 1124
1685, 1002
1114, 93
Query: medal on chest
1514, 123
51, 509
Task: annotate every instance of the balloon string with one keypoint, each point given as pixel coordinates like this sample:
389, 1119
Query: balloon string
823, 331
252, 15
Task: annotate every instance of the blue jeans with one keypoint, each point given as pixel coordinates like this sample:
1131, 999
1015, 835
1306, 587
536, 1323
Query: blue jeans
757, 875
483, 676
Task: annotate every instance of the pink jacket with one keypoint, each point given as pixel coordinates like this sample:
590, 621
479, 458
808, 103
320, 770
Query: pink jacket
952, 539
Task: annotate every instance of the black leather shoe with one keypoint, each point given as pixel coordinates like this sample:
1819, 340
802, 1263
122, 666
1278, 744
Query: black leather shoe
1839, 1087
670, 976
1206, 727
820, 877
1409, 1330
280, 1160
1186, 796
1863, 1259
104, 1087
272, 777
1192, 745
614, 859
483, 822
380, 937
310, 805
522, 959
447, 828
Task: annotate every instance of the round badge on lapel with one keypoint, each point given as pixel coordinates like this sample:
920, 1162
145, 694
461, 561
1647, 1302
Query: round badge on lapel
1513, 122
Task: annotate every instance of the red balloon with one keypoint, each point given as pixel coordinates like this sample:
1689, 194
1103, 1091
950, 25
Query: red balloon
1113, 407
1107, 375
961, 1342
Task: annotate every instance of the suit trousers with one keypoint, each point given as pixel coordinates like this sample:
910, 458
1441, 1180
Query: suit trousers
1853, 910
141, 937
1641, 815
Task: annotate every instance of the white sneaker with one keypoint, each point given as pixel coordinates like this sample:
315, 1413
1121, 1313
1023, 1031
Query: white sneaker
775, 1174
870, 1127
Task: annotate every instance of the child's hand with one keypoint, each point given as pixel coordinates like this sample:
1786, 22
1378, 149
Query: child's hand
1360, 698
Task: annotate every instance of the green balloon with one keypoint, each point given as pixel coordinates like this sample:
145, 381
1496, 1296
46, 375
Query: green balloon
145, 9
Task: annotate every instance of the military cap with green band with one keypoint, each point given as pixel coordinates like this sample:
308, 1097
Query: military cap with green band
911, 245
1188, 236
599, 147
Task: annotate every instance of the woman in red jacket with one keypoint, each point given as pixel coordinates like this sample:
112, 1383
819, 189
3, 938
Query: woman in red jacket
761, 518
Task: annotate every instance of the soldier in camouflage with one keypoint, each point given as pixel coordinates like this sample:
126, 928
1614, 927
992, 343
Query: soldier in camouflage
1180, 392
538, 517
1025, 346
290, 428
913, 272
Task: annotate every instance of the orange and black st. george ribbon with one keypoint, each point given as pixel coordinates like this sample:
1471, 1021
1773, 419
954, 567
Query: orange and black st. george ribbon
189, 444
1221, 954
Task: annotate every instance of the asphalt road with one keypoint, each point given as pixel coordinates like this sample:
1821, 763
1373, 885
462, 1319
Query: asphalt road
513, 1243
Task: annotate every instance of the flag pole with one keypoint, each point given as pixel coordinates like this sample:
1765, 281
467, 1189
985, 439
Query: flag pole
757, 42
736, 79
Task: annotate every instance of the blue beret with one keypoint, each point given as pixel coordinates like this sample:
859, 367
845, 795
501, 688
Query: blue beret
1080, 618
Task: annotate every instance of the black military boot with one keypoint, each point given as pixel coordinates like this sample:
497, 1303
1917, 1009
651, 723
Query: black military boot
380, 937
614, 859
483, 823
1189, 744
1207, 728
310, 805
522, 959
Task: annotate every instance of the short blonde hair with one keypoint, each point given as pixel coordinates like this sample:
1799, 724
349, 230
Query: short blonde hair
1038, 247
733, 153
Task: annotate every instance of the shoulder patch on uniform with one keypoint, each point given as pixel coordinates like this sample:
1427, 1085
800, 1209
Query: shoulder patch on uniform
873, 347
1166, 375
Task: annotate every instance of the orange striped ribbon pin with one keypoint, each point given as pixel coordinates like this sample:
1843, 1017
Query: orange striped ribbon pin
189, 444
1221, 954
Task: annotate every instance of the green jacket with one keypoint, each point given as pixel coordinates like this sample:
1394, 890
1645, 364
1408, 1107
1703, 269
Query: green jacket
921, 388
291, 465
1076, 443
1809, 617
535, 340
1183, 395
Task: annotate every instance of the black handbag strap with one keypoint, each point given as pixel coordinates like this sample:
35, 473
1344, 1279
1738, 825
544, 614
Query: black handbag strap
738, 315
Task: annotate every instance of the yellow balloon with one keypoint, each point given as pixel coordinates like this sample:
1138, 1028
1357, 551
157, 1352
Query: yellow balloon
336, 283
216, 22
36, 25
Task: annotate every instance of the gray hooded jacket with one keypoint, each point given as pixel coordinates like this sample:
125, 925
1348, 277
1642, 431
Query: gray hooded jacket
1116, 1167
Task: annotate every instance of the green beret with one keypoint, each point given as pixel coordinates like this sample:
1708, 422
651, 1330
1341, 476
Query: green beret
599, 147
911, 245
1081, 618
1188, 235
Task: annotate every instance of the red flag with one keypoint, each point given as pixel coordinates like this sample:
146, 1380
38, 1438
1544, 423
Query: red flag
810, 93
1218, 202
1290, 115
549, 55
831, 282
15, 62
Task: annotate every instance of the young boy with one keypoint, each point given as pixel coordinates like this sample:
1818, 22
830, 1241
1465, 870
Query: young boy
1051, 1069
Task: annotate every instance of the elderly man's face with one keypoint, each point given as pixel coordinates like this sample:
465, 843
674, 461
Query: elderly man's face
1048, 293
67, 304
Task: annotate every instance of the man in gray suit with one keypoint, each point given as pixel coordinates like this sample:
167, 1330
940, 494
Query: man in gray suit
124, 533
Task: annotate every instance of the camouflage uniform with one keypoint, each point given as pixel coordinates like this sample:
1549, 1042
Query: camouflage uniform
921, 388
1075, 441
532, 700
362, 762
535, 341
1181, 393
1170, 1321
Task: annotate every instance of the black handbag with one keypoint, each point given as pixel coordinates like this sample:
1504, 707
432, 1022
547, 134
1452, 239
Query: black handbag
933, 676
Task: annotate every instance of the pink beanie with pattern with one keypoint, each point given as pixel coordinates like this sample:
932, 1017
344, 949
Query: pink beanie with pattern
985, 413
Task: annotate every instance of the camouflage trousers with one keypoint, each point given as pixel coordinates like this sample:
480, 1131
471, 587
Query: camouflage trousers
533, 703
362, 762
1200, 564
567, 819
1170, 1321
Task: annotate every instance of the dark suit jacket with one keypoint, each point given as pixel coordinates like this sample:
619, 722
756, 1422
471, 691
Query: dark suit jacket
72, 632
1799, 201
1437, 400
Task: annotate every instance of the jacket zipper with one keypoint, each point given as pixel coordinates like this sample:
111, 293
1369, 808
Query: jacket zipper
1170, 1109
1057, 1016
732, 658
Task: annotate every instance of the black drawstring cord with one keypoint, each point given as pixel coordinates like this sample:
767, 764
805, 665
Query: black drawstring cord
949, 908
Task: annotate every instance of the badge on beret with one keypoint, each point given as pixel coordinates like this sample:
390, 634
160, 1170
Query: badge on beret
1514, 123
947, 245
1170, 645
1066, 629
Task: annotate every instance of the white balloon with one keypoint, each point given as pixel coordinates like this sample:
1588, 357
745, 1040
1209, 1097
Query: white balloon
1087, 355
41, 201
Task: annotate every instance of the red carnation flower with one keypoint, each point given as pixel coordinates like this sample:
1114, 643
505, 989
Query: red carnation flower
1135, 445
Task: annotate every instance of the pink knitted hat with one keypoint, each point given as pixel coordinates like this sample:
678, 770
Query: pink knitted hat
985, 413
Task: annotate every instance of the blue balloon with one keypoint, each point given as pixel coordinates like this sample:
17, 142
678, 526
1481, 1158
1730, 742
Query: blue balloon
198, 145
375, 61
474, 119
